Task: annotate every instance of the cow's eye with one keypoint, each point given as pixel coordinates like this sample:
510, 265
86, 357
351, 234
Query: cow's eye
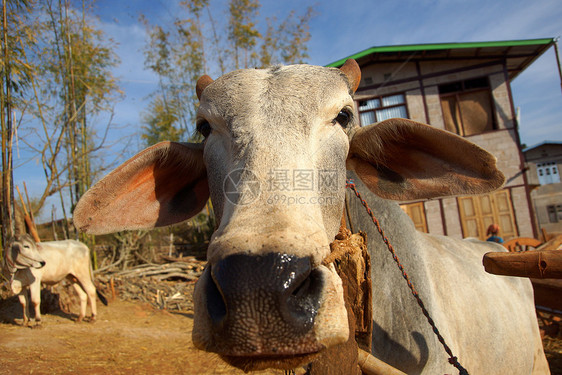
204, 128
343, 118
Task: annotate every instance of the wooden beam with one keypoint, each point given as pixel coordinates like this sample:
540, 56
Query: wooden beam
539, 264
371, 365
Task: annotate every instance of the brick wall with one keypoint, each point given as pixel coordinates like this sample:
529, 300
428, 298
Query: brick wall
433, 217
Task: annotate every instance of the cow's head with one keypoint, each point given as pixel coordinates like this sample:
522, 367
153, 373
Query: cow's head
277, 145
22, 253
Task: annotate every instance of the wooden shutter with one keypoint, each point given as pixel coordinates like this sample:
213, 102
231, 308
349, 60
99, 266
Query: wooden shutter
487, 212
416, 212
476, 112
506, 219
469, 217
451, 115
468, 113
478, 212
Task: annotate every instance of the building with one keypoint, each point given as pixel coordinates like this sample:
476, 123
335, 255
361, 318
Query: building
543, 174
463, 88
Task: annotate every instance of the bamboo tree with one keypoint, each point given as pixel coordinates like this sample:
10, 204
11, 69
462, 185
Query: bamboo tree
216, 43
294, 34
159, 122
189, 57
15, 75
80, 73
5, 112
178, 58
242, 30
69, 61
50, 152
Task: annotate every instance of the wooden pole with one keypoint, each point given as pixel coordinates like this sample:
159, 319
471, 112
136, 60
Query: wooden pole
28, 221
557, 53
29, 204
540, 264
371, 365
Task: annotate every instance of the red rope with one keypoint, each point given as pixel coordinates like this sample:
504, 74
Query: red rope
452, 359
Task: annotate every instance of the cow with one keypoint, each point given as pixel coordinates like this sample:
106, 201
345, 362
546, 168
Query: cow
29, 264
265, 298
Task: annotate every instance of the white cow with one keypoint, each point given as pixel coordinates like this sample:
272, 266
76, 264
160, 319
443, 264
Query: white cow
277, 145
29, 264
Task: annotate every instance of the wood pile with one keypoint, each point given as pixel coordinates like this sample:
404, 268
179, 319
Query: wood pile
164, 295
165, 286
188, 270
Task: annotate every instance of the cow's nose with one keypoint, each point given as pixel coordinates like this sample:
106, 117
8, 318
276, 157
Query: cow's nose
265, 290
42, 264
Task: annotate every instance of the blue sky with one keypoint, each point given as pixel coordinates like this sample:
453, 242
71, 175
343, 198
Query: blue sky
341, 29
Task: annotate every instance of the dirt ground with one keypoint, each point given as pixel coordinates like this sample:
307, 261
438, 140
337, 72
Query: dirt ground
128, 338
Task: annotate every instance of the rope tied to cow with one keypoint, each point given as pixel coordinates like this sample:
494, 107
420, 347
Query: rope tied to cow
453, 360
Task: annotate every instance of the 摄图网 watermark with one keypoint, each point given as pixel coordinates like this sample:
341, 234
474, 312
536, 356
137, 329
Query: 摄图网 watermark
282, 186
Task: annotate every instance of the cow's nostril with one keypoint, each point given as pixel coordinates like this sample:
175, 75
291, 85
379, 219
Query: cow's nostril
215, 301
303, 303
42, 263
301, 289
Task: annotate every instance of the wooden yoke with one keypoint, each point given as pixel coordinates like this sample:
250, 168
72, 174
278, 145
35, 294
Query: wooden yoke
353, 263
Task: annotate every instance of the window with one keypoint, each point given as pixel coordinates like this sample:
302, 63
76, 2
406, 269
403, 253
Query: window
554, 213
548, 173
467, 106
382, 108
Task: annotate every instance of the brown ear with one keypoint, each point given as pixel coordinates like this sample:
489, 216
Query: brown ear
352, 72
162, 185
405, 160
202, 83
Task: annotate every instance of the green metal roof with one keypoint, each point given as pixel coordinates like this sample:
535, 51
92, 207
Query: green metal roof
545, 42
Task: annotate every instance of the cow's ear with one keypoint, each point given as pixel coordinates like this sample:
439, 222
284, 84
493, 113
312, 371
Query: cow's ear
202, 84
162, 185
352, 72
405, 160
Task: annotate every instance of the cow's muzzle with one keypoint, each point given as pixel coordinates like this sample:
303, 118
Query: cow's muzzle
258, 305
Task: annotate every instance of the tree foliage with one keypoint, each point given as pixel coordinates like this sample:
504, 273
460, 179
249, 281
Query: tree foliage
159, 120
79, 73
16, 74
196, 44
242, 31
59, 66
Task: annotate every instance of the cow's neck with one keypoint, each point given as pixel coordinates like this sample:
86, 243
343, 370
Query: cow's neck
390, 291
393, 220
7, 266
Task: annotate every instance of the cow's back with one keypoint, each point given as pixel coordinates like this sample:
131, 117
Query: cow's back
63, 258
475, 309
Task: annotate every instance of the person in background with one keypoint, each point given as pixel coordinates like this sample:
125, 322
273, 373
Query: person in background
492, 232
